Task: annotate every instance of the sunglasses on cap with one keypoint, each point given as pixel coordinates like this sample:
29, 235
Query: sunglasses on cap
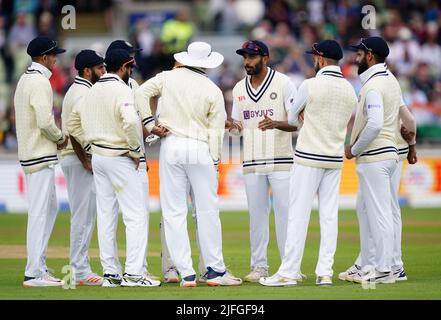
54, 45
253, 46
315, 50
364, 45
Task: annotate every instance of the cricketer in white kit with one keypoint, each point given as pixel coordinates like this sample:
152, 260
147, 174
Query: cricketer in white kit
77, 169
374, 144
169, 270
192, 119
261, 102
406, 150
111, 127
143, 167
38, 140
327, 100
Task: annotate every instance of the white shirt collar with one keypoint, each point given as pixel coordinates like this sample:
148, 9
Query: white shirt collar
45, 71
328, 68
84, 81
112, 75
379, 67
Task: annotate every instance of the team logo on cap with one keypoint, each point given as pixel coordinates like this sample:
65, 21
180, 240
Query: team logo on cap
128, 44
273, 96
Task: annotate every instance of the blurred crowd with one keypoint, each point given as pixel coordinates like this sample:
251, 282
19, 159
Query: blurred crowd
412, 29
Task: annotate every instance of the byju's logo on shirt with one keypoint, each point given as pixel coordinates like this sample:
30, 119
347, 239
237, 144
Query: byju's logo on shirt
248, 114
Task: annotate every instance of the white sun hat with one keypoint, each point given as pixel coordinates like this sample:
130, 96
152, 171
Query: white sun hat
199, 54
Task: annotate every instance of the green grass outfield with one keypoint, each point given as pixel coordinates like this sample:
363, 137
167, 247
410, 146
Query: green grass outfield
421, 253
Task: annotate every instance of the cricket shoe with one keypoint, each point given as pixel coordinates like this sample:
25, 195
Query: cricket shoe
171, 276
400, 275
46, 280
151, 276
91, 280
349, 273
323, 281
277, 280
225, 278
301, 277
133, 280
203, 277
111, 280
255, 274
189, 281
378, 277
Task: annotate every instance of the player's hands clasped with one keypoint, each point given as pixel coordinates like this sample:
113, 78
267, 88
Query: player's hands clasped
63, 145
160, 131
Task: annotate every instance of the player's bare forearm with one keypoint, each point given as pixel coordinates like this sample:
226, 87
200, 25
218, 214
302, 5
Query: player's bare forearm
284, 126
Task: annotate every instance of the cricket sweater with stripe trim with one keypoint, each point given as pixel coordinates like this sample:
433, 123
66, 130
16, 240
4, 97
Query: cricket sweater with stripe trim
328, 106
384, 146
37, 133
192, 106
269, 150
111, 126
73, 96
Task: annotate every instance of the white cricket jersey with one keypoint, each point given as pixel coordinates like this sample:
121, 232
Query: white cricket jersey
328, 100
111, 126
73, 96
269, 150
385, 92
192, 106
37, 133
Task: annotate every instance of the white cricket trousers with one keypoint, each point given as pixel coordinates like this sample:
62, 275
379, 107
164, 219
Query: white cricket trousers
257, 187
82, 201
117, 183
306, 183
375, 216
144, 177
166, 260
368, 243
42, 211
182, 161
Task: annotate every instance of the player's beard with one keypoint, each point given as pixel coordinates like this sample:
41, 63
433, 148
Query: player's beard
362, 66
252, 71
126, 76
316, 66
95, 77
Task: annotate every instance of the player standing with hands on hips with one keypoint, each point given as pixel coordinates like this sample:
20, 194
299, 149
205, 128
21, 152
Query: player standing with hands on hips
328, 100
110, 124
77, 168
192, 122
38, 140
261, 102
374, 143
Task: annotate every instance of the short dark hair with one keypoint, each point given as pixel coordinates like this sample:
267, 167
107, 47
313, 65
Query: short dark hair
81, 73
112, 68
379, 59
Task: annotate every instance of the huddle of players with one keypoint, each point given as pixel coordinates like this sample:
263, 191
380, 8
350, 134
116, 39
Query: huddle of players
102, 107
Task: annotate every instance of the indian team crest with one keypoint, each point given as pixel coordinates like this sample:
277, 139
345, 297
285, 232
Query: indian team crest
273, 96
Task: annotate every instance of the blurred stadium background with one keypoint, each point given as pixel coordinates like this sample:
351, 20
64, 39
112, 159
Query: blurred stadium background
160, 28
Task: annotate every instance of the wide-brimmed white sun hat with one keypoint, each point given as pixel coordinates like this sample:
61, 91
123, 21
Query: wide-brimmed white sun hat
199, 54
